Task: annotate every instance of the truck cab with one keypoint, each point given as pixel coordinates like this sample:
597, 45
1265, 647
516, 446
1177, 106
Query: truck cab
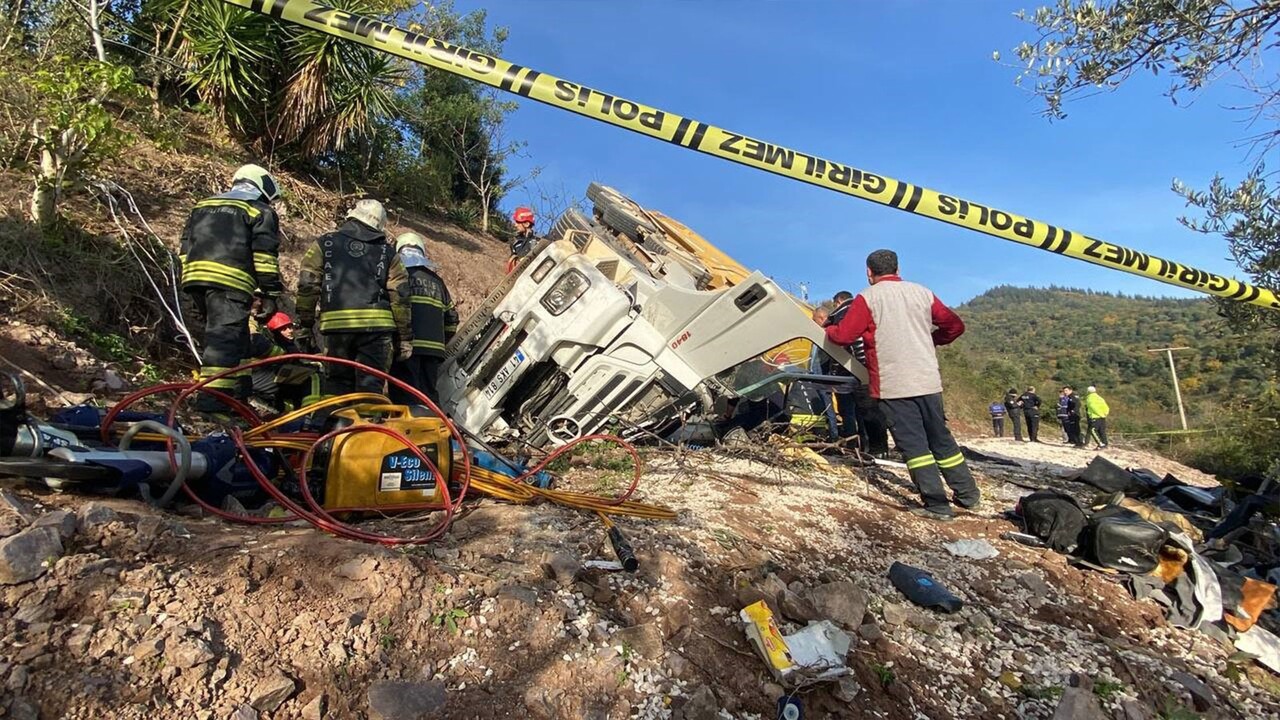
620, 320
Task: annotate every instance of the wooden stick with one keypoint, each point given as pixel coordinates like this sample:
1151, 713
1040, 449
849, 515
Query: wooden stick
61, 394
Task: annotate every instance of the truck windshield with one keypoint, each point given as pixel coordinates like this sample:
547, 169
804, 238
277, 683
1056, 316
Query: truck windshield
774, 369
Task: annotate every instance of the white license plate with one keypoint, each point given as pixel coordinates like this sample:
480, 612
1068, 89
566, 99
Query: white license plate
500, 380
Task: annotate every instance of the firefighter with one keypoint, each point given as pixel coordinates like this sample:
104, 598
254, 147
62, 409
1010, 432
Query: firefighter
872, 427
354, 278
230, 252
287, 385
900, 323
524, 241
433, 317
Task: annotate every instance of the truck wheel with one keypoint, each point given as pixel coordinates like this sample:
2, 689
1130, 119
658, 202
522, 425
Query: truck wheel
574, 220
622, 215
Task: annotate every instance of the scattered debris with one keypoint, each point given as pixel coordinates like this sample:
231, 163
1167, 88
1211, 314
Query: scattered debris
920, 588
974, 549
813, 654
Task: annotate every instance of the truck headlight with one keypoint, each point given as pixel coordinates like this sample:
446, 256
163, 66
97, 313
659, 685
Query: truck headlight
565, 292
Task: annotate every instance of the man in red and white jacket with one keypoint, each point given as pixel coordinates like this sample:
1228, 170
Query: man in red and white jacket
900, 323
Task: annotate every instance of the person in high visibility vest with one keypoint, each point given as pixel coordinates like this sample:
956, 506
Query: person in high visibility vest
1096, 410
355, 280
229, 253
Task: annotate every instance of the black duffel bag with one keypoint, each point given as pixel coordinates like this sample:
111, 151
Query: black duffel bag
1054, 517
1120, 539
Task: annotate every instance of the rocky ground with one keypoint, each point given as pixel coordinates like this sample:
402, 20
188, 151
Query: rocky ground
109, 609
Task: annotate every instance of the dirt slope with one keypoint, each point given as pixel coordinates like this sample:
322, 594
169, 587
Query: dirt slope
156, 616
89, 275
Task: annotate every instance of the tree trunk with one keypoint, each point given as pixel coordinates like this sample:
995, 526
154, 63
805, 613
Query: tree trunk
44, 199
99, 49
484, 218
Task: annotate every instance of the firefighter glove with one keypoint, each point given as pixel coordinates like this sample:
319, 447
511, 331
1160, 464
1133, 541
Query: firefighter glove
405, 351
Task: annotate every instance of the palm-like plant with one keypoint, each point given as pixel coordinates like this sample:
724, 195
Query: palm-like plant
339, 90
227, 50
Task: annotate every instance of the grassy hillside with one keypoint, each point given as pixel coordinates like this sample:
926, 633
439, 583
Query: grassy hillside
1058, 336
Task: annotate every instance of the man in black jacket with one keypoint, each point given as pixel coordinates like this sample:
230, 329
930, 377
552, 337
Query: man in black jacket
1071, 421
433, 318
1031, 413
230, 251
872, 427
1013, 404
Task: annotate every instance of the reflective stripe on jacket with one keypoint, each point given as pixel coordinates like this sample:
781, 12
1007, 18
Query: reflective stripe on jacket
355, 280
433, 317
232, 241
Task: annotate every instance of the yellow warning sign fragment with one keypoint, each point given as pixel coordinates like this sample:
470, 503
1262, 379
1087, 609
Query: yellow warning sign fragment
746, 150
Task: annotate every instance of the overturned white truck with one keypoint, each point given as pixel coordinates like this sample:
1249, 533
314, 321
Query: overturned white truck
629, 319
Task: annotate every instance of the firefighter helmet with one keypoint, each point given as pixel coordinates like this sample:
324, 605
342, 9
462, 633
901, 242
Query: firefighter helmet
371, 213
279, 321
411, 239
257, 176
522, 215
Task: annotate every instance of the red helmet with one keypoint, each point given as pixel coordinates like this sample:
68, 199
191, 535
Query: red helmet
279, 321
522, 215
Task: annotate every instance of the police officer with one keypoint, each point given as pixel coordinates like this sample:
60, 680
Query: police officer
434, 320
997, 418
355, 279
1030, 402
1071, 421
1063, 402
230, 251
1013, 406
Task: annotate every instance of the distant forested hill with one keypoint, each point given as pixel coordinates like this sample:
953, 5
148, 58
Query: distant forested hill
1049, 337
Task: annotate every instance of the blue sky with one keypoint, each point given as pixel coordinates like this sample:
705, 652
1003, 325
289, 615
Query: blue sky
907, 89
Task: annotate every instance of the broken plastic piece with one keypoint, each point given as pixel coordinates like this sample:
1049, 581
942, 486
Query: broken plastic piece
976, 549
815, 653
921, 589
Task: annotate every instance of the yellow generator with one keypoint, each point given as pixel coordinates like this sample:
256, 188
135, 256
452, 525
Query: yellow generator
374, 471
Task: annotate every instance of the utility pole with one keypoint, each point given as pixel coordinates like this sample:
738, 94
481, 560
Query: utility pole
1182, 414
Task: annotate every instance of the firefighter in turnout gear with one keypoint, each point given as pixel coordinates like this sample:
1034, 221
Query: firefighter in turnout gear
433, 318
524, 241
352, 280
230, 252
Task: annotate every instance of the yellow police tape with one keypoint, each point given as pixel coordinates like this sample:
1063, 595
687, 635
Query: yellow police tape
745, 150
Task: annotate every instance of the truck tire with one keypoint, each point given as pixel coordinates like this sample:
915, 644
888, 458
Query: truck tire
622, 215
573, 219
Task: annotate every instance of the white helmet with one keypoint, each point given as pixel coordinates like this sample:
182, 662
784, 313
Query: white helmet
1091, 389
371, 213
258, 176
411, 239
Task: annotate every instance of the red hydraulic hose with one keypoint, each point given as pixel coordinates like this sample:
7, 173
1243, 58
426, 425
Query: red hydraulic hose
316, 514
